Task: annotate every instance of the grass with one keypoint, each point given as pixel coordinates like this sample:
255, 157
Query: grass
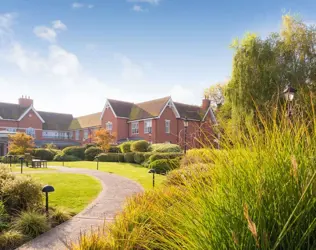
17, 168
131, 171
72, 191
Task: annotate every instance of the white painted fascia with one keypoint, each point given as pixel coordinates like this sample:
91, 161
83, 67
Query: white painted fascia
107, 104
174, 109
213, 118
28, 110
139, 120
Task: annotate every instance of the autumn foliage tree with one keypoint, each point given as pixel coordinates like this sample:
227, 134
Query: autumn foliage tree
20, 143
103, 139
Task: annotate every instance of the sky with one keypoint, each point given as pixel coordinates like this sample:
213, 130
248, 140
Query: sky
69, 56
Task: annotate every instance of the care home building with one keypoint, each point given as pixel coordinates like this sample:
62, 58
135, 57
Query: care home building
157, 121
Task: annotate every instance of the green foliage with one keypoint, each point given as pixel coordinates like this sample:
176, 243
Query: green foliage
115, 149
75, 151
165, 148
51, 146
89, 145
11, 239
126, 147
139, 157
203, 155
4, 217
31, 224
160, 156
164, 165
91, 153
111, 157
129, 157
63, 157
140, 146
59, 215
43, 154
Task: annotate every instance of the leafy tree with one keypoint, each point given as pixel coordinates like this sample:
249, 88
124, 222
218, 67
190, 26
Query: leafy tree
20, 143
216, 94
103, 139
263, 67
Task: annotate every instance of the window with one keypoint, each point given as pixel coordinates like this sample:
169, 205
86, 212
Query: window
77, 134
30, 131
147, 126
108, 126
167, 126
134, 128
85, 134
11, 129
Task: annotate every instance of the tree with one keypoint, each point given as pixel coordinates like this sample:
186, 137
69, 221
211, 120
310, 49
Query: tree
216, 94
103, 139
263, 67
20, 143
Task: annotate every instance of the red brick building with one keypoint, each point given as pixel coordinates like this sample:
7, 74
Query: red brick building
157, 121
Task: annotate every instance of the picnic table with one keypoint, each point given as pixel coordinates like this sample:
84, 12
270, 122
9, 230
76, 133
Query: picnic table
36, 163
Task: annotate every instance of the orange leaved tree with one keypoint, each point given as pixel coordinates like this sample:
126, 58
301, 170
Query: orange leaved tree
103, 139
20, 143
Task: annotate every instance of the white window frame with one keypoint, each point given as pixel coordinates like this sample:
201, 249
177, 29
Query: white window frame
77, 135
85, 134
135, 127
11, 129
30, 131
109, 126
167, 126
148, 126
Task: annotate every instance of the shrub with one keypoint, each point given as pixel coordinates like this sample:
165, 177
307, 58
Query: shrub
89, 145
165, 165
43, 154
129, 157
203, 155
111, 157
165, 148
139, 157
139, 146
31, 224
11, 239
4, 217
63, 157
21, 193
126, 147
91, 153
115, 149
75, 151
59, 215
161, 156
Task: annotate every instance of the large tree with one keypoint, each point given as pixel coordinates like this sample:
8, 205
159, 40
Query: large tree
103, 139
20, 143
262, 67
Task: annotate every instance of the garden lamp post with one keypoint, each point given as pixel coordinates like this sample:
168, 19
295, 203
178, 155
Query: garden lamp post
150, 138
10, 159
186, 124
152, 171
21, 159
289, 96
97, 158
47, 189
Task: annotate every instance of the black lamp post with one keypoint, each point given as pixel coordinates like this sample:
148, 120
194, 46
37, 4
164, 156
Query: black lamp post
97, 158
21, 159
152, 171
150, 138
186, 124
10, 159
289, 93
47, 189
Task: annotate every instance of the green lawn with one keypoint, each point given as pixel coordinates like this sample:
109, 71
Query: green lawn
72, 191
17, 168
132, 171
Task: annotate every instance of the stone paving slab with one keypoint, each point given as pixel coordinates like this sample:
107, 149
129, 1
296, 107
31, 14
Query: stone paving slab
115, 189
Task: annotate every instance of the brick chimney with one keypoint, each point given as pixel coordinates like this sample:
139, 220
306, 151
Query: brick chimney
25, 101
206, 102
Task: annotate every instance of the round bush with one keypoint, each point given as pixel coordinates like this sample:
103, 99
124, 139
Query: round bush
63, 157
139, 158
165, 165
75, 151
111, 157
139, 146
126, 147
115, 149
91, 153
31, 224
165, 148
160, 156
43, 154
129, 157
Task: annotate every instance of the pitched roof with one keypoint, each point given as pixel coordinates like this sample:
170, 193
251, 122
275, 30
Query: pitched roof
154, 107
55, 121
189, 111
120, 108
86, 121
11, 111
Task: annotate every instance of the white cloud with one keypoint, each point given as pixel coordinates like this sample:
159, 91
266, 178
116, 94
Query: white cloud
184, 95
45, 33
153, 2
59, 25
138, 8
77, 5
131, 71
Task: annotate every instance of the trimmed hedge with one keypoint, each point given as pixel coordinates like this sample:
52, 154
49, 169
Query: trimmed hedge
129, 157
111, 157
75, 151
115, 149
161, 156
164, 165
140, 146
91, 152
165, 148
126, 147
139, 157
43, 154
63, 157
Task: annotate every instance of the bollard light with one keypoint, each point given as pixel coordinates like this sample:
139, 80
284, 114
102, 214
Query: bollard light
152, 171
21, 159
47, 189
97, 158
10, 159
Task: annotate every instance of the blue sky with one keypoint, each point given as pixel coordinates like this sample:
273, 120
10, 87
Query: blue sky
69, 56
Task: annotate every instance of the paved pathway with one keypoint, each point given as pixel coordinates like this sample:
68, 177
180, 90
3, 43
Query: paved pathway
103, 208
